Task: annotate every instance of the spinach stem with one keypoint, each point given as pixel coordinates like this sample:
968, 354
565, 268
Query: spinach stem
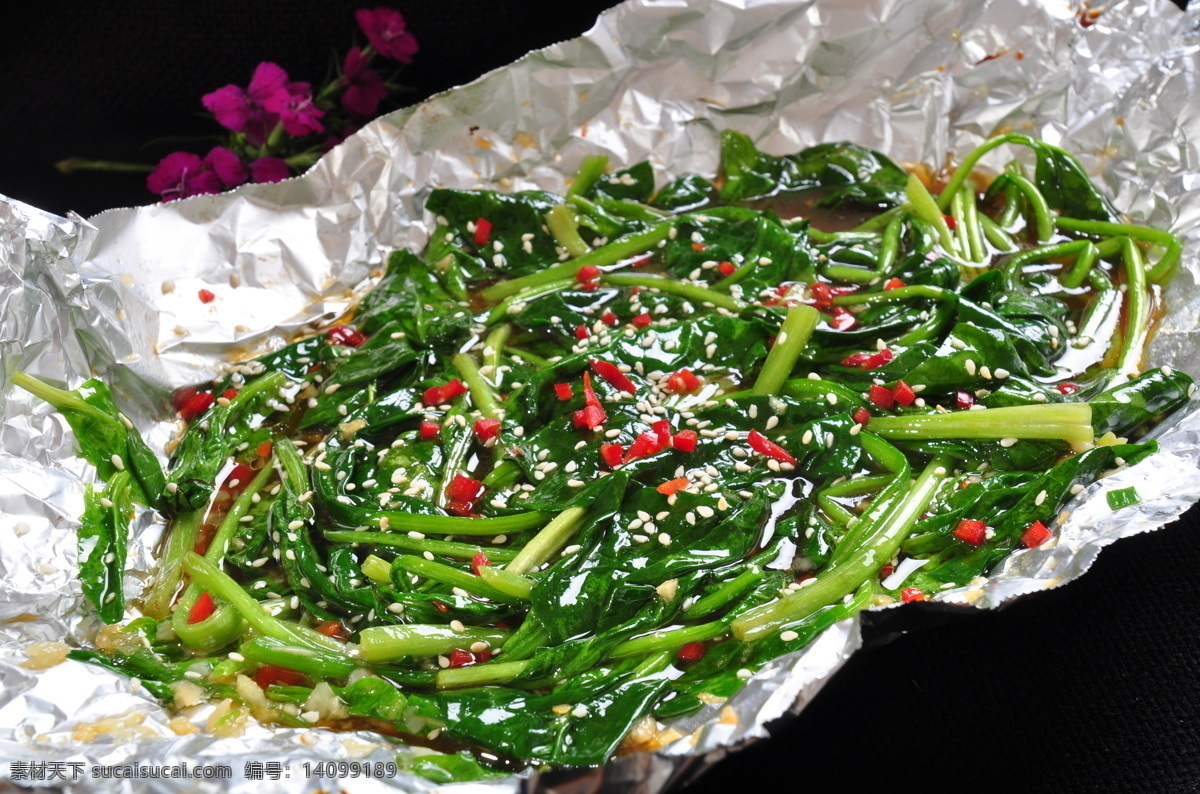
611, 254
562, 225
667, 639
384, 643
481, 391
547, 542
794, 334
590, 170
669, 285
458, 525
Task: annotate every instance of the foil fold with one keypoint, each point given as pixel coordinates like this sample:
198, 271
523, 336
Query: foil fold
922, 81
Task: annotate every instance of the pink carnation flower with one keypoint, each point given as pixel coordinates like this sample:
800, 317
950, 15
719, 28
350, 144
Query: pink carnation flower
228, 167
182, 174
245, 110
269, 169
295, 109
364, 87
385, 29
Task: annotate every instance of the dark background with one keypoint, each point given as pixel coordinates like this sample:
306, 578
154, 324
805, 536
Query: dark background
1093, 687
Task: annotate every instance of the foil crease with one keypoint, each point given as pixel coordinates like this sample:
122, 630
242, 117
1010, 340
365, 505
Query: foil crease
923, 81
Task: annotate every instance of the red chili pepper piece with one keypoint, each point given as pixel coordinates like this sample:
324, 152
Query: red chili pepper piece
1035, 535
483, 656
480, 560
951, 222
698, 246
887, 570
645, 444
270, 674
904, 394
615, 377
197, 404
264, 449
685, 440
612, 454
430, 429
461, 658
206, 296
910, 594
590, 286
1067, 388
487, 429
582, 332
460, 508
610, 319
238, 478
182, 395
590, 416
440, 606
963, 400
436, 395
726, 269
662, 429
842, 320
671, 486
345, 336
563, 390
464, 489
201, 610
229, 394
642, 320
760, 443
862, 416
822, 294
589, 394
881, 396
683, 381
893, 283
690, 652
587, 273
869, 360
483, 230
971, 531
334, 629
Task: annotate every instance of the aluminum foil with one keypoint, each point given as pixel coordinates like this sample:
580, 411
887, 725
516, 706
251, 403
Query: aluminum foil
923, 81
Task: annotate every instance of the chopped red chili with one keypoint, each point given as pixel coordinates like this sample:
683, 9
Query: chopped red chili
483, 230
760, 443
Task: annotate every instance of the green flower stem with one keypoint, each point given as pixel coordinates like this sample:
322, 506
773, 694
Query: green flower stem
668, 639
1159, 273
963, 172
625, 208
591, 169
481, 391
458, 525
958, 210
881, 220
73, 164
889, 245
924, 205
673, 287
793, 335
480, 675
562, 225
1137, 311
724, 594
548, 542
222, 586
402, 541
1066, 422
841, 579
974, 228
611, 254
835, 511
384, 643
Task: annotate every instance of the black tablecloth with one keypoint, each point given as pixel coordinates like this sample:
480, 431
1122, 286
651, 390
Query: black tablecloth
1095, 686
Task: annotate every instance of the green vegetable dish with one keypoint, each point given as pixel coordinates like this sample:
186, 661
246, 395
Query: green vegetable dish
591, 460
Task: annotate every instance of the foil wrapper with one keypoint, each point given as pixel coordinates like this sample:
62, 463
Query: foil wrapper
923, 81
